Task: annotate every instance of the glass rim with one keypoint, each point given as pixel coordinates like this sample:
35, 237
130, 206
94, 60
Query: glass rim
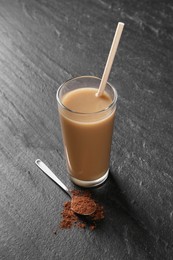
83, 113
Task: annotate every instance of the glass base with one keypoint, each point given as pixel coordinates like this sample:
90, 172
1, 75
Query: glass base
89, 184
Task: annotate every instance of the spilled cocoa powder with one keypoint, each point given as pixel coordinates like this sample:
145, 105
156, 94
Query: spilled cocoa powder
69, 218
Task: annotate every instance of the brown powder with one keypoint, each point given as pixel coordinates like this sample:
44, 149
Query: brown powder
83, 205
69, 218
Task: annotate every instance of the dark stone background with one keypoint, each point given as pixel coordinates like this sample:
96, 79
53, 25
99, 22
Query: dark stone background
44, 43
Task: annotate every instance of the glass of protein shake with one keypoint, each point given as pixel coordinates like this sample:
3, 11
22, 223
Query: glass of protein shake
87, 124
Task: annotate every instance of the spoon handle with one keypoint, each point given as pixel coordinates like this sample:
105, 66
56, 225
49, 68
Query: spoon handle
51, 175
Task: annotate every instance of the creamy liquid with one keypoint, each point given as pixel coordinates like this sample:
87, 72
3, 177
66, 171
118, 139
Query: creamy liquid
87, 137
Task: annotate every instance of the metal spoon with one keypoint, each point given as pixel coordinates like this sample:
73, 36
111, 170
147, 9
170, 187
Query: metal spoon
54, 178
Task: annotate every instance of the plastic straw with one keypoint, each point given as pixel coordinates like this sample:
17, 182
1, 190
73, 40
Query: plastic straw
110, 59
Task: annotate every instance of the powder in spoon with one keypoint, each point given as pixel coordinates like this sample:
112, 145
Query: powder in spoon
83, 205
69, 218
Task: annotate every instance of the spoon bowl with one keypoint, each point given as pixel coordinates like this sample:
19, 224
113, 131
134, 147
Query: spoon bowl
82, 205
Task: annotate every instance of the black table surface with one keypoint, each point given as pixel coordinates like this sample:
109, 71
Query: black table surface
44, 43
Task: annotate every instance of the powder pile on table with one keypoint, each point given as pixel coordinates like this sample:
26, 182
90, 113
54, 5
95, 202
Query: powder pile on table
69, 218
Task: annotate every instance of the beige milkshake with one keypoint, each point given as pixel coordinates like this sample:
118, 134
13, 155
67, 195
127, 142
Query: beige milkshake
87, 125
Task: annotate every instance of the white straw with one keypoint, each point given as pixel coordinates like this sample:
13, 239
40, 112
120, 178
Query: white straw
110, 59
